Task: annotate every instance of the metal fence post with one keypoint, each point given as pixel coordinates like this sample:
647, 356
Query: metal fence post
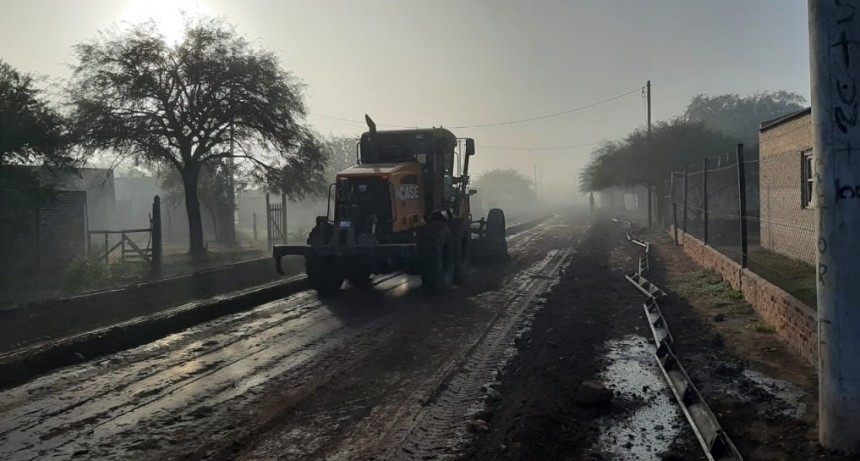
705, 199
671, 202
675, 221
284, 219
156, 234
268, 222
686, 180
742, 202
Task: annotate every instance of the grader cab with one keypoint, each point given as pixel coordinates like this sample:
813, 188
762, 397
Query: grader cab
403, 207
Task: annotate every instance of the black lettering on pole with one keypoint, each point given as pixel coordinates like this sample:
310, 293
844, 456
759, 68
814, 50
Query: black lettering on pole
847, 148
850, 15
842, 121
822, 269
822, 245
844, 44
842, 87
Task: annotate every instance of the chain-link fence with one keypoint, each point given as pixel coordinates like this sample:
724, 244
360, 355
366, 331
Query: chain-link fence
779, 218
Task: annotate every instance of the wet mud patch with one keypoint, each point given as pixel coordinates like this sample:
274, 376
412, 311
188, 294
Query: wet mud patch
584, 334
651, 420
763, 395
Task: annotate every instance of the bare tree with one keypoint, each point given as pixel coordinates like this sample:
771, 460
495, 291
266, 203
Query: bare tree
213, 96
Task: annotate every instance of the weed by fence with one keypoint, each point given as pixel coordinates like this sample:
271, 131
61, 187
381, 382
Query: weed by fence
779, 221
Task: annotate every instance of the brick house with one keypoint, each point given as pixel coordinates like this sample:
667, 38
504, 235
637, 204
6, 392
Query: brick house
786, 178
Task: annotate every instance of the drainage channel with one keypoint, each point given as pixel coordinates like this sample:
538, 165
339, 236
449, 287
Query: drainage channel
714, 440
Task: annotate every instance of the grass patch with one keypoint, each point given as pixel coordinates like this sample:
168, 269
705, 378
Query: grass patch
761, 327
709, 286
87, 274
794, 276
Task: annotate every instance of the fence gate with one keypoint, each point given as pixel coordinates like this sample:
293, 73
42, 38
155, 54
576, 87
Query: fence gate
276, 221
131, 249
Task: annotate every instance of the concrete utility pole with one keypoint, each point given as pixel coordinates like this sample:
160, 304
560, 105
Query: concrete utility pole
648, 98
834, 43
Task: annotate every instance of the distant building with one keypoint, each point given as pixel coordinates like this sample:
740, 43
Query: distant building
98, 184
134, 196
44, 240
633, 200
786, 185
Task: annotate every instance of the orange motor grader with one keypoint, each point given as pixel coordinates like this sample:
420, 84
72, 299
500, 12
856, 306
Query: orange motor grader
403, 207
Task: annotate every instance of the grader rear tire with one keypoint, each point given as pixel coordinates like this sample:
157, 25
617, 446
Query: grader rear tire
497, 244
359, 278
437, 256
324, 272
463, 238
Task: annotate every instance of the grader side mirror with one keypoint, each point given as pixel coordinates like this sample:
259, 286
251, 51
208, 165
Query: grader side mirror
470, 147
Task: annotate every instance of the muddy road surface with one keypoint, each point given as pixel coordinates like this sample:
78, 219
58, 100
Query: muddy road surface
376, 373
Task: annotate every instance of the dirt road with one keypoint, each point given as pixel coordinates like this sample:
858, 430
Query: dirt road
385, 372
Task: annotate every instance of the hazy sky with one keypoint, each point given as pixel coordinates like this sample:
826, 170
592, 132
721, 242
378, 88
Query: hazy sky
453, 63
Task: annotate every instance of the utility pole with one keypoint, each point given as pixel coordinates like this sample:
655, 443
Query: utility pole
648, 99
834, 45
534, 178
650, 186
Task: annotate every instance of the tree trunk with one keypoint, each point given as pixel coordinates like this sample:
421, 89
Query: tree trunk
214, 215
190, 177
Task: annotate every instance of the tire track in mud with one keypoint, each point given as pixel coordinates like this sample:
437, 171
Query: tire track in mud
147, 386
438, 430
392, 401
190, 393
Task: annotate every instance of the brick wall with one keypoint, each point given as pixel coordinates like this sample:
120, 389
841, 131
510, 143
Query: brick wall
795, 322
786, 226
47, 239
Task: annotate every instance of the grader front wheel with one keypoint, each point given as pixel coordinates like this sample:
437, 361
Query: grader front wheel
437, 256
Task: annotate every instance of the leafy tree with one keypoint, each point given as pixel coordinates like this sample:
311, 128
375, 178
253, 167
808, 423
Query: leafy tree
504, 185
741, 116
31, 134
339, 152
640, 160
181, 105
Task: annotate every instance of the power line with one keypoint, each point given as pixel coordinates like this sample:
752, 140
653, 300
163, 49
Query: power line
358, 123
575, 109
483, 125
569, 146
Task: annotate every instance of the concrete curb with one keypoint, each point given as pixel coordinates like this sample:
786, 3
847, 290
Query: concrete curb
19, 367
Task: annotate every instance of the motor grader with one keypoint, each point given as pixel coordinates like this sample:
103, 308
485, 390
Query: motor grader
403, 207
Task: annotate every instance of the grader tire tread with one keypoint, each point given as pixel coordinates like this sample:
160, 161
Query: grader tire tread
436, 257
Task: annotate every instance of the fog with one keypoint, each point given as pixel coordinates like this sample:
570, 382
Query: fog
465, 63
538, 86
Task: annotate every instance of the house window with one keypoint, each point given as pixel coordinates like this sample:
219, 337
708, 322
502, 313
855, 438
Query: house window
807, 171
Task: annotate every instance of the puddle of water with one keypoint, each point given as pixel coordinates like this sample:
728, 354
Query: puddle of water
787, 393
648, 431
